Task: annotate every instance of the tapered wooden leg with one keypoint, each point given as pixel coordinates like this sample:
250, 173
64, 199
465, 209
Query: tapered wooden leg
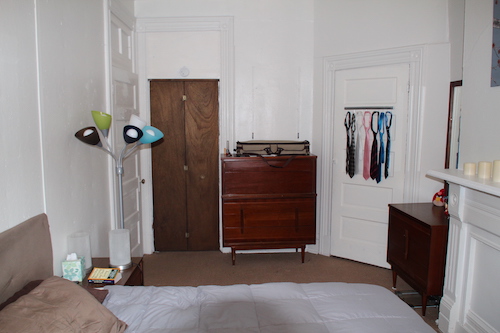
394, 279
233, 255
424, 304
303, 248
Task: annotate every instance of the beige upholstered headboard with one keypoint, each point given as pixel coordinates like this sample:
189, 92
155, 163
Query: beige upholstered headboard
25, 255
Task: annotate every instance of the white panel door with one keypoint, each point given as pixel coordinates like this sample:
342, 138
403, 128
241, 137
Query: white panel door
124, 92
124, 105
360, 206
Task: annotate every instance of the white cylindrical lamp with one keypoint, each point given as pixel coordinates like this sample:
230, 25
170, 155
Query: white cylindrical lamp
79, 243
496, 171
470, 169
119, 249
484, 170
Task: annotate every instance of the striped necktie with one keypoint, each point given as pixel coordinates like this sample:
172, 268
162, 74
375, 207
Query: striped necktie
366, 152
381, 157
374, 166
388, 123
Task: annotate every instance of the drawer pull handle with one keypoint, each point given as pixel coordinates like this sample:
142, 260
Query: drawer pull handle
406, 244
242, 221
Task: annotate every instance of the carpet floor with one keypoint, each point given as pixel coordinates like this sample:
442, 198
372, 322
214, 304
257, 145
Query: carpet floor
215, 268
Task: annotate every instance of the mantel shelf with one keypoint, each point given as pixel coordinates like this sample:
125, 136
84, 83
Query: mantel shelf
457, 177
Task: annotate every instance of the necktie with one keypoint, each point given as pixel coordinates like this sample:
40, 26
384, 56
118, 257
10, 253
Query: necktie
388, 123
352, 148
366, 152
359, 116
374, 153
347, 124
381, 159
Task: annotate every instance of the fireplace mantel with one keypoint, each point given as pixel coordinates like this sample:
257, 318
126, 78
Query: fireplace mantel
473, 182
471, 295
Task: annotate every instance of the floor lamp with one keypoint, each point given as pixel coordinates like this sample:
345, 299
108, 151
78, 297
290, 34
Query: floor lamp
135, 134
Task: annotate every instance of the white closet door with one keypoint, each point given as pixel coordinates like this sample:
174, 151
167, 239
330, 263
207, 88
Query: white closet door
360, 207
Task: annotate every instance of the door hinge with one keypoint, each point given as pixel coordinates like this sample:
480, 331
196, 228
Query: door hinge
184, 97
186, 168
187, 234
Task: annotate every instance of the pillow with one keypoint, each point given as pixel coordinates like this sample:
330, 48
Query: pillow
99, 294
26, 289
58, 306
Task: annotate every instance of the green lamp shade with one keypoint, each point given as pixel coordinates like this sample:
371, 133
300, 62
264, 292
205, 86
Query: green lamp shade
150, 134
102, 120
89, 136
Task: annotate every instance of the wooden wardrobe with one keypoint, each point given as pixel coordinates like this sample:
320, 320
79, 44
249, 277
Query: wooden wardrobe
185, 165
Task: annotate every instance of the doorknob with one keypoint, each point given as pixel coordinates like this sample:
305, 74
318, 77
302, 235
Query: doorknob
143, 181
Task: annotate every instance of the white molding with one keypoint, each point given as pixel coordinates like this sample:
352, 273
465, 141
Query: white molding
117, 9
225, 26
412, 56
182, 24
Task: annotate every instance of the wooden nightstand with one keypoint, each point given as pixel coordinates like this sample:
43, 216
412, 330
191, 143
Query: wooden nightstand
416, 251
132, 276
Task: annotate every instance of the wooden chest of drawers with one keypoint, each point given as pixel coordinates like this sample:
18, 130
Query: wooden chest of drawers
268, 202
416, 249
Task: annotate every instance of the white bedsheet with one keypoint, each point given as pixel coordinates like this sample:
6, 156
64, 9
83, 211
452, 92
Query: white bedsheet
271, 307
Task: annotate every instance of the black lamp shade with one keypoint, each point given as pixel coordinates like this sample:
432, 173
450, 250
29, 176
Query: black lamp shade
89, 136
131, 134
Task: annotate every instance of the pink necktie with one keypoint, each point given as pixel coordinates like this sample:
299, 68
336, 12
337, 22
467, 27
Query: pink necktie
366, 152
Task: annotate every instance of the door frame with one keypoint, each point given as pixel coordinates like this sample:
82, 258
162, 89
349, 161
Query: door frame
225, 26
407, 55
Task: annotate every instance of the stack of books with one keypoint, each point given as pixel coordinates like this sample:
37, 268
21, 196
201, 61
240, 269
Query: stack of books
105, 275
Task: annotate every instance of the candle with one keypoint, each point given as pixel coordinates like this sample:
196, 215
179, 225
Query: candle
484, 170
496, 171
470, 169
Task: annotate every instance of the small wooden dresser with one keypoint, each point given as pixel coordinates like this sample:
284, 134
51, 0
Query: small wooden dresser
268, 202
416, 249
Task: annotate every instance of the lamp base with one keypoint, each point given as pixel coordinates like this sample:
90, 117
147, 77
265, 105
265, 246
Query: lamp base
119, 249
122, 267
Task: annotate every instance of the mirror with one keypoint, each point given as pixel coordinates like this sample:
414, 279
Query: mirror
452, 158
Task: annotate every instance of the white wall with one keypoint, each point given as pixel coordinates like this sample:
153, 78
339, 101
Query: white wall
273, 59
348, 27
456, 9
480, 134
53, 75
22, 194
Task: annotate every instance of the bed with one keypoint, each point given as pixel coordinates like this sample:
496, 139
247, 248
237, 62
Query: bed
54, 304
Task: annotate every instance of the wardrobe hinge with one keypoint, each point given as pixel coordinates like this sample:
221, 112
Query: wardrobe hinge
186, 168
184, 97
187, 234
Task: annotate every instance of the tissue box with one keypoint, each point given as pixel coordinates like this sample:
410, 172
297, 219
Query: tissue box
74, 270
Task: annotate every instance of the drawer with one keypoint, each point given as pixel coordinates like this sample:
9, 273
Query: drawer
302, 234
265, 220
255, 176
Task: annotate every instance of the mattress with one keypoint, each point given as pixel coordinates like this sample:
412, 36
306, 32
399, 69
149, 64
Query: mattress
270, 307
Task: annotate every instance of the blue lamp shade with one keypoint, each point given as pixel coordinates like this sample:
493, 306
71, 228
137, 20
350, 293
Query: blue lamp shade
151, 134
131, 134
89, 136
